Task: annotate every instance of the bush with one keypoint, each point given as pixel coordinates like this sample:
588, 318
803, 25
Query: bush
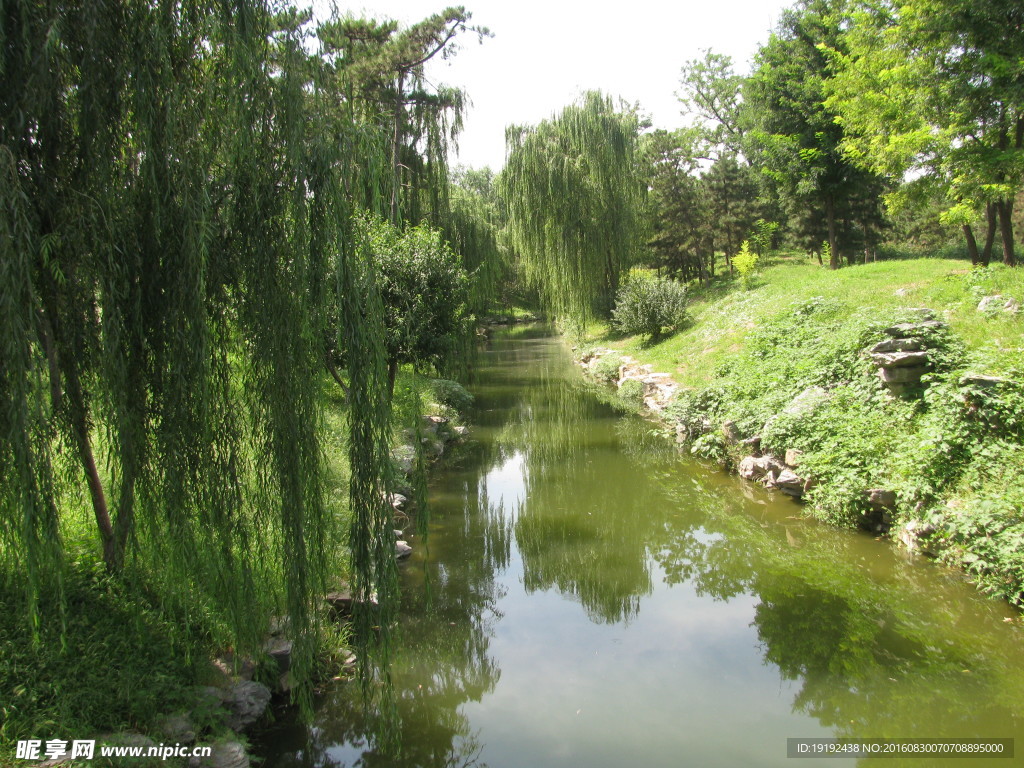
744, 262
647, 306
452, 394
632, 391
607, 367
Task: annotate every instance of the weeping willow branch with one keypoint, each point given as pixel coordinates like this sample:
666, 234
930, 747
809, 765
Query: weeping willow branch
573, 192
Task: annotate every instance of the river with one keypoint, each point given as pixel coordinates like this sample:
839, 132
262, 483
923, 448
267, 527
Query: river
589, 597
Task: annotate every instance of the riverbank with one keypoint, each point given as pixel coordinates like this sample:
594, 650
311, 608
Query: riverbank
886, 396
116, 662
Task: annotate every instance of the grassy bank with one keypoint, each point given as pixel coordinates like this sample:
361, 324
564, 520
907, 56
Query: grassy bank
112, 655
784, 359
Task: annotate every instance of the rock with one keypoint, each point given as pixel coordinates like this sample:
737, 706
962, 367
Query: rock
397, 500
880, 499
225, 754
902, 375
909, 330
177, 728
234, 668
806, 401
246, 701
341, 603
750, 468
280, 650
914, 534
890, 360
1012, 306
461, 431
730, 432
789, 481
991, 304
127, 739
793, 457
759, 467
754, 445
402, 549
897, 345
404, 458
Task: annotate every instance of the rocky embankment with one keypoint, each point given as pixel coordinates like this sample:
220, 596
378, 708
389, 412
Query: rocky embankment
901, 359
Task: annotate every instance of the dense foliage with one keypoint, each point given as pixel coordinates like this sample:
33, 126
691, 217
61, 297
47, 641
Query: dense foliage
178, 261
649, 306
425, 294
573, 189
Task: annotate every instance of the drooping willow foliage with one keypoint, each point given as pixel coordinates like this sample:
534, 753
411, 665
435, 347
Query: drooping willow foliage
176, 258
573, 191
474, 226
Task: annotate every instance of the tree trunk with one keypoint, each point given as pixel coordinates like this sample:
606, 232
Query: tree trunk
830, 216
1006, 229
392, 375
396, 141
112, 554
990, 234
972, 244
331, 369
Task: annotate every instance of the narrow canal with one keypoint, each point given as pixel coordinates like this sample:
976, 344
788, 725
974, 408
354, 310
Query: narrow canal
589, 597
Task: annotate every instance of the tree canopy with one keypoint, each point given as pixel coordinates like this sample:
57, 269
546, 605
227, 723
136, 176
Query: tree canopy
573, 189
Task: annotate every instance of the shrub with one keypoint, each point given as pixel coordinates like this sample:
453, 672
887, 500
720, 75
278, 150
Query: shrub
632, 391
452, 394
607, 367
647, 306
744, 262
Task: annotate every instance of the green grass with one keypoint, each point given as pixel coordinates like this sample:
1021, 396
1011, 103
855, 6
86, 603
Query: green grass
118, 654
724, 315
951, 453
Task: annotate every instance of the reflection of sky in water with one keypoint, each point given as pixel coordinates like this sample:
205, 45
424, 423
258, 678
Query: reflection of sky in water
505, 485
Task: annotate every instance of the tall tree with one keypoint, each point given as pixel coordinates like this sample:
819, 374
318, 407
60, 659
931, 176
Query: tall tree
711, 96
682, 228
793, 137
937, 90
383, 66
574, 192
177, 186
475, 227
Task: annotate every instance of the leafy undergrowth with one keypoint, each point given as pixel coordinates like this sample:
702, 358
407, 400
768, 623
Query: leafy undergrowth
785, 360
115, 664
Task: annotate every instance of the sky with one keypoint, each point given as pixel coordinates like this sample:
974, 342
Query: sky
545, 54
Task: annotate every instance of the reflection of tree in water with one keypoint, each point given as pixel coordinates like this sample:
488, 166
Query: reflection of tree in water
578, 532
873, 659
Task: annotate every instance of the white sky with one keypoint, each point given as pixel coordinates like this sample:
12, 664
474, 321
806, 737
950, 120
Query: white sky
544, 54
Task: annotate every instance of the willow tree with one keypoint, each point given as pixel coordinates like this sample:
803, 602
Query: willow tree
574, 194
474, 225
173, 230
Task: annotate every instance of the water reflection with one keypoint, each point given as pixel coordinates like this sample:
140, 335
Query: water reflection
587, 596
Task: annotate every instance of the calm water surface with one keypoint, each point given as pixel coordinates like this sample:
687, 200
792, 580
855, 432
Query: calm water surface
587, 597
